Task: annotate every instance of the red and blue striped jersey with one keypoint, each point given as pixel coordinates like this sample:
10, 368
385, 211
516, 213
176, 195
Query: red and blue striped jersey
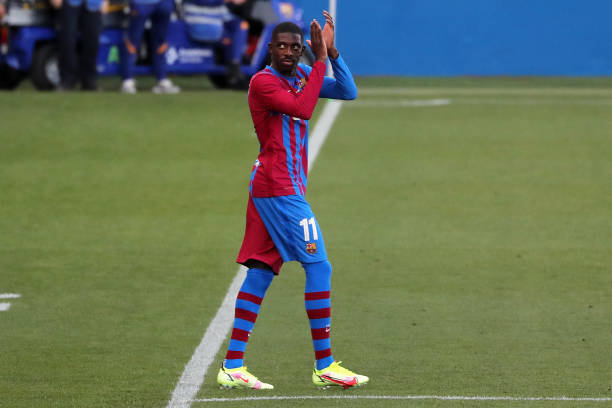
280, 108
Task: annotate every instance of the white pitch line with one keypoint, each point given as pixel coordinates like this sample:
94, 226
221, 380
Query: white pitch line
405, 397
534, 102
9, 295
382, 91
418, 103
400, 103
321, 129
4, 306
193, 375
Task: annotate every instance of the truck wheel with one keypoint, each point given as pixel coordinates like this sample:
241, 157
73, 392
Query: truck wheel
45, 67
9, 77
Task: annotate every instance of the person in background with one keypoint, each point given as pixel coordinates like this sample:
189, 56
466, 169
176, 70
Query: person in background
159, 12
2, 9
78, 18
211, 21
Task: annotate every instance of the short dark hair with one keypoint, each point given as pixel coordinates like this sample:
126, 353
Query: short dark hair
288, 27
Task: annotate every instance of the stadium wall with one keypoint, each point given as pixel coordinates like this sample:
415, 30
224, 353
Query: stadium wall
473, 37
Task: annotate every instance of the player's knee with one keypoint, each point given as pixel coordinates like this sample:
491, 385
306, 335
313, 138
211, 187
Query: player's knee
260, 279
322, 268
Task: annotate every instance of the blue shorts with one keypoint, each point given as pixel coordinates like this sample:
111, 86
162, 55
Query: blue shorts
293, 228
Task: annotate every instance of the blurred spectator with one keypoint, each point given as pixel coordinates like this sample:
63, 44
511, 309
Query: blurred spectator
78, 18
2, 9
159, 12
211, 21
241, 8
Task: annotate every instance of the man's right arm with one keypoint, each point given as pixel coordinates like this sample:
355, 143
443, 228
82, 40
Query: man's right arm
268, 90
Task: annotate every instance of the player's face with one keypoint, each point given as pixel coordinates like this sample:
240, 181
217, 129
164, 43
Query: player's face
285, 51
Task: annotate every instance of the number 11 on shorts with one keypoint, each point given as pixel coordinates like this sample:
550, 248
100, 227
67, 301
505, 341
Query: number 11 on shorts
305, 224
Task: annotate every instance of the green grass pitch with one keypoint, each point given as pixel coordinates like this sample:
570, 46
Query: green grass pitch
468, 221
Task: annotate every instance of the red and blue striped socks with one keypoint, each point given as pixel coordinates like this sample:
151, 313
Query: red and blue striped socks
248, 302
318, 308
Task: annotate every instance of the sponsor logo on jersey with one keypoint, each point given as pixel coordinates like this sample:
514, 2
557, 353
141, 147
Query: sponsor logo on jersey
311, 247
301, 84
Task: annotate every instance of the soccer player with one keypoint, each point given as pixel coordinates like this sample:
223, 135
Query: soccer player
280, 225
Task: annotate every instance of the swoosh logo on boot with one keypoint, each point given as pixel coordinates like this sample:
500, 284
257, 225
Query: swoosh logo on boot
342, 382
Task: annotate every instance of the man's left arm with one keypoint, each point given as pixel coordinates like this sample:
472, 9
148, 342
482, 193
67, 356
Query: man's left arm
342, 85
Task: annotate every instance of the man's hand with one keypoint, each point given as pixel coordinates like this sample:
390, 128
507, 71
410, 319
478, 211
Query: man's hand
328, 35
316, 42
56, 4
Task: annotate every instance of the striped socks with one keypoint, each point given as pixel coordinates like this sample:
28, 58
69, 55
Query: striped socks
248, 302
318, 308
316, 300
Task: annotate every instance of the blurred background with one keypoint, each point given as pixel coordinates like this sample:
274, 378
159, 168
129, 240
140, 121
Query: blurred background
473, 37
436, 38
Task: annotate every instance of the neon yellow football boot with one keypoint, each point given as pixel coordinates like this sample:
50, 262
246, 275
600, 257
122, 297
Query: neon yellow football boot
336, 375
240, 378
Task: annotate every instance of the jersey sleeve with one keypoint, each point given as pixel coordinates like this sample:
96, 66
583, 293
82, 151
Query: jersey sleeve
341, 86
268, 92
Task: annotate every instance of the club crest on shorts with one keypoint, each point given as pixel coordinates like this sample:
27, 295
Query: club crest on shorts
311, 247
